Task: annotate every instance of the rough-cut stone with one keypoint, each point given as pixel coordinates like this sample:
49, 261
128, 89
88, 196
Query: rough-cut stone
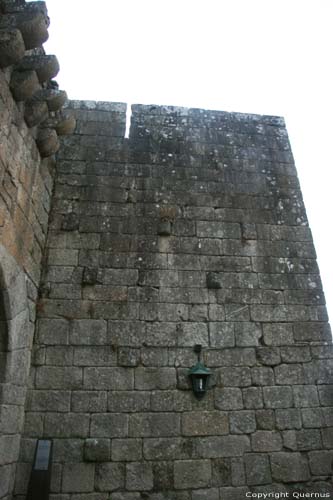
109, 425
11, 47
192, 474
204, 423
139, 476
228, 399
109, 477
97, 450
126, 450
78, 478
288, 419
242, 422
257, 469
289, 467
223, 446
24, 84
278, 397
263, 441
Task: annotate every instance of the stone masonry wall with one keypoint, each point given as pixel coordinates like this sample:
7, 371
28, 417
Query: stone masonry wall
122, 307
26, 184
30, 122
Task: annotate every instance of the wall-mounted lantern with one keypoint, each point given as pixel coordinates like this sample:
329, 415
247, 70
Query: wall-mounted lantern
199, 375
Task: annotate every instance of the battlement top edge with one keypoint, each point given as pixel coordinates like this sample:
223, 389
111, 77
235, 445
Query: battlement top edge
162, 110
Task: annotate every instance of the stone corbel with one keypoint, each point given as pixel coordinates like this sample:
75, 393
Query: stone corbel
30, 19
24, 84
23, 27
12, 47
45, 66
64, 123
47, 142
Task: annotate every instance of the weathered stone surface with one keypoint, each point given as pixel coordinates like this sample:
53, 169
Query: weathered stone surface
109, 477
139, 476
228, 399
242, 422
204, 423
223, 446
154, 424
288, 419
321, 462
24, 84
278, 397
126, 450
257, 469
289, 467
78, 478
35, 112
192, 474
47, 142
266, 441
97, 450
109, 425
11, 47
46, 66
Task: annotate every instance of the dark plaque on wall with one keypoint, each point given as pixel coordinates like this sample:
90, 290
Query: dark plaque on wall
40, 479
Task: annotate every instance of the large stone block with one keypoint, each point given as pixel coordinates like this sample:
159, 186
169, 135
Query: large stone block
204, 423
67, 450
89, 401
54, 377
97, 450
110, 477
78, 478
139, 476
289, 467
264, 441
49, 401
69, 425
109, 425
108, 378
223, 446
242, 422
228, 399
321, 462
192, 474
129, 401
126, 450
155, 378
278, 397
88, 332
154, 425
257, 469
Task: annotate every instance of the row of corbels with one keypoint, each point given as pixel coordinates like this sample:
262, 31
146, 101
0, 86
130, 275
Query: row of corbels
23, 30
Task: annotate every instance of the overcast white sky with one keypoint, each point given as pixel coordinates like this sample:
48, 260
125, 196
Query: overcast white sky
253, 56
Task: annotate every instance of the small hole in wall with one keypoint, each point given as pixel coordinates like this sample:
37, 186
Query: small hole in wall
128, 120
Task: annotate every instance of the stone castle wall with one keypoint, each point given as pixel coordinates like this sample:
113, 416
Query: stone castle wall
122, 307
29, 108
26, 184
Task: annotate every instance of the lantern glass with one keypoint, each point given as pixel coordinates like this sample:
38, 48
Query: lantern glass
199, 375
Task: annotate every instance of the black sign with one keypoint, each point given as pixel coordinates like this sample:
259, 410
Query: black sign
40, 478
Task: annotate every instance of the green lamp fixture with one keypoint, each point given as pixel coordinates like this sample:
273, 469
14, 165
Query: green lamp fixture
199, 375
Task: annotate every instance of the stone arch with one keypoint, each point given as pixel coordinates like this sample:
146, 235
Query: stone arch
15, 346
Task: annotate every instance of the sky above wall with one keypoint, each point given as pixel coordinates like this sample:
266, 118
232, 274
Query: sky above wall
252, 56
